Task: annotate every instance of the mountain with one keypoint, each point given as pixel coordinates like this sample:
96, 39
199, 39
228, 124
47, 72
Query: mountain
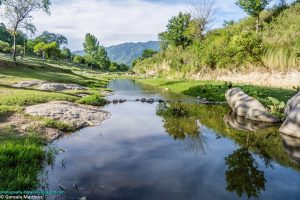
127, 52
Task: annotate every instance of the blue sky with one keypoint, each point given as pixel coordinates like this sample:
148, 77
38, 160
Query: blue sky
119, 21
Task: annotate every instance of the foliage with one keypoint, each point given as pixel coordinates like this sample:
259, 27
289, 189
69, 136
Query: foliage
245, 48
79, 59
102, 59
94, 100
277, 107
5, 47
95, 54
50, 50
175, 34
66, 54
253, 7
48, 38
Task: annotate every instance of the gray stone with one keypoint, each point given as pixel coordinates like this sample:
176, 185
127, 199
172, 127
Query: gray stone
291, 125
65, 111
246, 106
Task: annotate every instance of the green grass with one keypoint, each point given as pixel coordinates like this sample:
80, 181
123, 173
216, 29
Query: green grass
94, 100
215, 91
21, 161
51, 123
8, 110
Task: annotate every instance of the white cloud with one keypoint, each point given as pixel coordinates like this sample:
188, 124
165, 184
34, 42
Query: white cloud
113, 22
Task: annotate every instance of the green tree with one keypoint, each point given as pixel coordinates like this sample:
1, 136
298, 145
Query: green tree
101, 58
66, 54
175, 34
91, 47
48, 37
48, 50
253, 8
18, 15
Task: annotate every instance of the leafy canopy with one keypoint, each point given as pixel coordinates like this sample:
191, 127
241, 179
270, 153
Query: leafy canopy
175, 34
253, 7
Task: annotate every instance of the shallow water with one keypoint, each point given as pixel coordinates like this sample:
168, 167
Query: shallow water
143, 152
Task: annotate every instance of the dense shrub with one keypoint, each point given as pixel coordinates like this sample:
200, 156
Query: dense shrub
5, 47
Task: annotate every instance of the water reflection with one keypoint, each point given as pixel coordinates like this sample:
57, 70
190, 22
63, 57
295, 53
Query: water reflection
243, 175
240, 123
292, 147
181, 125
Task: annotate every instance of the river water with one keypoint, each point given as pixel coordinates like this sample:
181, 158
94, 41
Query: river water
150, 152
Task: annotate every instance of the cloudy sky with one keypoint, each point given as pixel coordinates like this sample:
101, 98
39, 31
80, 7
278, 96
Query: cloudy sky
119, 21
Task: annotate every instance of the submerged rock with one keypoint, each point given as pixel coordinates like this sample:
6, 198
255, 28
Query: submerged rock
291, 125
246, 106
79, 116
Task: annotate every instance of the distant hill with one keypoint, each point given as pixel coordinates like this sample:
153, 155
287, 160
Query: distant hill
127, 52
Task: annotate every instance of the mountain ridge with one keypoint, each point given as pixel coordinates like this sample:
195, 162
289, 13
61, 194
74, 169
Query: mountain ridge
126, 53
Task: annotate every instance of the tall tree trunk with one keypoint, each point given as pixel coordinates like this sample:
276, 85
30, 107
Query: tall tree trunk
15, 47
24, 54
257, 24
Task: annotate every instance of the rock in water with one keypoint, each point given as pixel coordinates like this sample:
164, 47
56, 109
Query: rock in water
291, 125
246, 106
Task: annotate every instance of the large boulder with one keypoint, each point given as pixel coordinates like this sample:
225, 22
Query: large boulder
246, 106
291, 125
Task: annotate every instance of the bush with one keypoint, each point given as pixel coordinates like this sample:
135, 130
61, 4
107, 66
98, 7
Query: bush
94, 100
79, 59
5, 47
245, 48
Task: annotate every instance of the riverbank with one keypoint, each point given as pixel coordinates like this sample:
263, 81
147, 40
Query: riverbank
40, 102
215, 90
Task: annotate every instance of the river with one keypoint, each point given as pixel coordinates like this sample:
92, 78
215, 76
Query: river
157, 151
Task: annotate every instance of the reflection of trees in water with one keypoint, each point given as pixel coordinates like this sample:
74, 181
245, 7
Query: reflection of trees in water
243, 175
180, 125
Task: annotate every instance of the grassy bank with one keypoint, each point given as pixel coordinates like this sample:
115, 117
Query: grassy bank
215, 91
